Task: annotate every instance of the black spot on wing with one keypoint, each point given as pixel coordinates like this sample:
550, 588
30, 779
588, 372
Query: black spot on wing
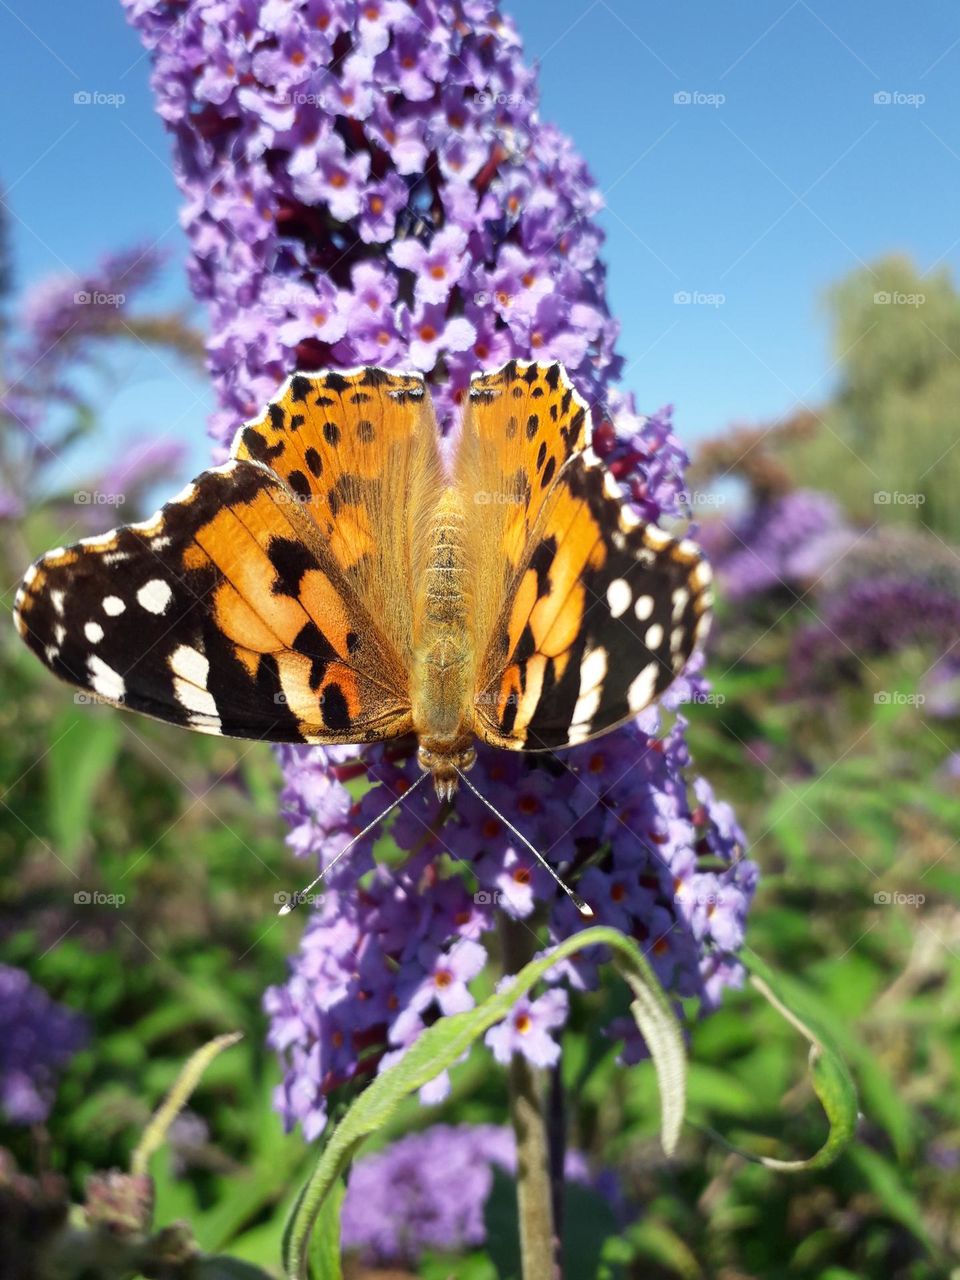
542, 562
256, 445
334, 710
291, 560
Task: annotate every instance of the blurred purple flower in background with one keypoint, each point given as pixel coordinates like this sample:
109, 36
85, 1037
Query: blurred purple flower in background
783, 542
427, 1192
37, 1039
374, 185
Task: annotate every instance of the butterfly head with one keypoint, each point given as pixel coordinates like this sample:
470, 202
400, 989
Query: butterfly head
446, 761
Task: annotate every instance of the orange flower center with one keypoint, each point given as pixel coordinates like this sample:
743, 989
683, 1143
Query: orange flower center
443, 978
428, 333
523, 1023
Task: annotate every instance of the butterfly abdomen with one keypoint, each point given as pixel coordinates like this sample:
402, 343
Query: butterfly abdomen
444, 650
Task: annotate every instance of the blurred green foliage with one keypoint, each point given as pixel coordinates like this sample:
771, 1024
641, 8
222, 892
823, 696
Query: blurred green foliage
894, 421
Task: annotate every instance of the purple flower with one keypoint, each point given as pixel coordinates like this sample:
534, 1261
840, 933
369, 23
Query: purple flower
37, 1039
427, 1192
527, 1030
769, 547
437, 266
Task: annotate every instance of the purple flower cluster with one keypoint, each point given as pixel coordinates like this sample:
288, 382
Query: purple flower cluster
379, 963
872, 618
37, 1038
60, 330
371, 184
781, 543
428, 1191
58, 318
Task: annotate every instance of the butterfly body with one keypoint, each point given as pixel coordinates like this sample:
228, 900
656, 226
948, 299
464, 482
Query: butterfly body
331, 583
443, 674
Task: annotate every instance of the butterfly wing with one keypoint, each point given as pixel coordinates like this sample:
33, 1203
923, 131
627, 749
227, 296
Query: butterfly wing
225, 613
594, 612
359, 449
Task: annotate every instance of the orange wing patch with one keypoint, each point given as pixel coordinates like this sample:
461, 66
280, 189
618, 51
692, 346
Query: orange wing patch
358, 452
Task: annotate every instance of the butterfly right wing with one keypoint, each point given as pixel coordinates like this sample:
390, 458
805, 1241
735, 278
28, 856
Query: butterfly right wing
225, 613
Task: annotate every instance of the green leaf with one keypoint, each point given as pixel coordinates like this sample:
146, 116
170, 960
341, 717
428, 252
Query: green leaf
325, 1244
84, 748
156, 1131
829, 1075
441, 1044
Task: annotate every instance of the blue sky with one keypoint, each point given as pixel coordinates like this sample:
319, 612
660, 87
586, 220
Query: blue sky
781, 174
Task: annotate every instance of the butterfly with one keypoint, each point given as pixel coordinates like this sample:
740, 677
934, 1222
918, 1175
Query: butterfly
333, 582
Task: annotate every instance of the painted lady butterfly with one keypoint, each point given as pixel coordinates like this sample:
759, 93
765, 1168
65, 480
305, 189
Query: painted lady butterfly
330, 584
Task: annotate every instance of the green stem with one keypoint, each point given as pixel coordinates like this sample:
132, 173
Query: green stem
539, 1245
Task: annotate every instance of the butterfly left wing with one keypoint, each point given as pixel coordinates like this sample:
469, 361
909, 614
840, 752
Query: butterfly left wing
224, 613
601, 611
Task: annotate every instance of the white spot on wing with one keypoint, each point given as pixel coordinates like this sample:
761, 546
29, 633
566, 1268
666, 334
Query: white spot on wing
190, 664
619, 596
640, 693
155, 595
656, 538
56, 599
643, 608
93, 631
654, 637
680, 598
104, 680
593, 671
113, 605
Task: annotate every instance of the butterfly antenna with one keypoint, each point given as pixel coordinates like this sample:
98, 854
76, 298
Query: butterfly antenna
583, 907
297, 898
